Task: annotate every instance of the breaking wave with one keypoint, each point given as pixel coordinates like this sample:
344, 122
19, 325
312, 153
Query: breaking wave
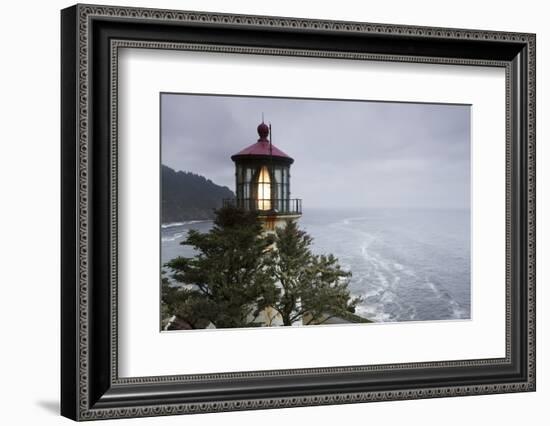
401, 266
177, 224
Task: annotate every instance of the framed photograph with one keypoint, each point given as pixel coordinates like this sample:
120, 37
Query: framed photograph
263, 212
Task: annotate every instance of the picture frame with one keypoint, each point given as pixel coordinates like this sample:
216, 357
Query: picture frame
91, 37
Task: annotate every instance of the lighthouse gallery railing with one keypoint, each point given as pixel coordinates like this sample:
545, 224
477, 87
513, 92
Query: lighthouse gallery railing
281, 206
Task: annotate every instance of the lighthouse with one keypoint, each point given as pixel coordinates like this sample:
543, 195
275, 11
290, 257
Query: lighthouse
262, 182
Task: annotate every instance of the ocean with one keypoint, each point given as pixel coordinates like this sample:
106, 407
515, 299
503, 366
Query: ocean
406, 264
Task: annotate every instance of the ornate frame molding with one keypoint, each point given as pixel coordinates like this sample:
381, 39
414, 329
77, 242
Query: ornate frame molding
80, 18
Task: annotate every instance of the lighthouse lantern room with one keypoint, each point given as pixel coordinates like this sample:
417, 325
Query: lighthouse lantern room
262, 174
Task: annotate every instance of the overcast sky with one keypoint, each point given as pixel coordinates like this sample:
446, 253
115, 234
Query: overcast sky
346, 154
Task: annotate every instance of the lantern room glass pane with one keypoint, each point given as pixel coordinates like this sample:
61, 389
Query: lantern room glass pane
239, 172
239, 181
264, 189
248, 175
278, 205
278, 175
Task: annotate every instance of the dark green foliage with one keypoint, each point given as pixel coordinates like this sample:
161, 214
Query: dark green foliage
225, 283
187, 196
239, 271
314, 288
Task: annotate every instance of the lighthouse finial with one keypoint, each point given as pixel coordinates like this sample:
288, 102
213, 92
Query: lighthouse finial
263, 131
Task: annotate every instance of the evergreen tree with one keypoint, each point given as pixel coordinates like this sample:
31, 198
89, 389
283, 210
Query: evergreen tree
226, 283
313, 288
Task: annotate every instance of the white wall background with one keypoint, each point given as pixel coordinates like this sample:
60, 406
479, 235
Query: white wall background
29, 222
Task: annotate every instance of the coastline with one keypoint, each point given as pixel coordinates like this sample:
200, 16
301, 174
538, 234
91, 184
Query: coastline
183, 223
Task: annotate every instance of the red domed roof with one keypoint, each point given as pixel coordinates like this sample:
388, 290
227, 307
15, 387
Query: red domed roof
262, 147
